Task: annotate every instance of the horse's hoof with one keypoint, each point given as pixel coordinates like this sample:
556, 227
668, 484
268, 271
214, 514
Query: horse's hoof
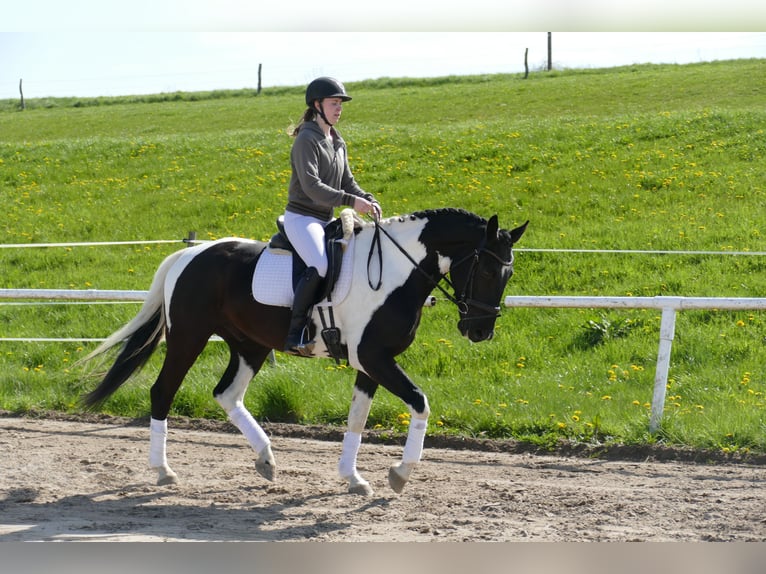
395, 480
166, 479
266, 470
266, 465
362, 488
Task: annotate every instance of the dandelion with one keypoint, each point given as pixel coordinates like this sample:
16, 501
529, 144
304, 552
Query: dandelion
606, 398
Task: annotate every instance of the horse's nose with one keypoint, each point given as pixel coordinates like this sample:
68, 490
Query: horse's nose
477, 335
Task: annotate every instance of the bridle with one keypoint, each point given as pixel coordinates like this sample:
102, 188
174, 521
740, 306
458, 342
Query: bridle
463, 301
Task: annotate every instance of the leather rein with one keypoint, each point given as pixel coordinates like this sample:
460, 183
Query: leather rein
464, 300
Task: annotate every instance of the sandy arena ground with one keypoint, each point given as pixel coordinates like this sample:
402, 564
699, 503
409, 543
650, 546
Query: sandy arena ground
76, 480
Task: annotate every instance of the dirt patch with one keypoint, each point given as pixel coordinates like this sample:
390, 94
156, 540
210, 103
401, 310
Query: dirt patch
86, 478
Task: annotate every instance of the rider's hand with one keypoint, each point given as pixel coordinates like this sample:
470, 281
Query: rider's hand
377, 211
363, 206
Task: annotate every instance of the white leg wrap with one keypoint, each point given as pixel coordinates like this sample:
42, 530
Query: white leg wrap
347, 463
413, 448
158, 434
249, 427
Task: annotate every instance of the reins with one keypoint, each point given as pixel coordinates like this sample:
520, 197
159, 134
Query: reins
462, 301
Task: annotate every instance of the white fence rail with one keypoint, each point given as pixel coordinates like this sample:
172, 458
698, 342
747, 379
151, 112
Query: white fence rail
668, 305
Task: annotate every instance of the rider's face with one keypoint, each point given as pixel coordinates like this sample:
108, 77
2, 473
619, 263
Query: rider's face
332, 108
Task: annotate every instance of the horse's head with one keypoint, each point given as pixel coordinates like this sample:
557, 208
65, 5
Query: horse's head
482, 275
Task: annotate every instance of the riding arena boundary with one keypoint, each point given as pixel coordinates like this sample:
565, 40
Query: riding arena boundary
668, 305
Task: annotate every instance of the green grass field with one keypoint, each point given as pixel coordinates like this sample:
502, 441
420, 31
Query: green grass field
635, 158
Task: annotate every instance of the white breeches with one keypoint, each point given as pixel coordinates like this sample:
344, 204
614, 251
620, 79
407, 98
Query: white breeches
306, 233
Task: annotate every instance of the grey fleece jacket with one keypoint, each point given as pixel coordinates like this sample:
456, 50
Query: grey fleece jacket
321, 179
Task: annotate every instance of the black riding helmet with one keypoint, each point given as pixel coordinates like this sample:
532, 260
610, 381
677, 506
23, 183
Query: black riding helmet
325, 87
322, 88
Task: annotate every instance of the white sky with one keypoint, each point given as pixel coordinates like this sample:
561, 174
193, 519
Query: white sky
97, 47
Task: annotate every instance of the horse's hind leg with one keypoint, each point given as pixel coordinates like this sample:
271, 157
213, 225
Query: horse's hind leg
230, 393
361, 400
179, 358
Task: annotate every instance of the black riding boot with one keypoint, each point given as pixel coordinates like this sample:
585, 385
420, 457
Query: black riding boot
305, 292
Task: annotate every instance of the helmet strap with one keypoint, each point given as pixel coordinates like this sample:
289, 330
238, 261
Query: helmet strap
321, 112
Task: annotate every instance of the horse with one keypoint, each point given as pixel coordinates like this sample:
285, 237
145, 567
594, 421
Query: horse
207, 290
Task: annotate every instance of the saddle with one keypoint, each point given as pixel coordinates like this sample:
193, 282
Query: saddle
336, 236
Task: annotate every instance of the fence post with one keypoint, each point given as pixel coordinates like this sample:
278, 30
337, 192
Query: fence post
526, 63
667, 332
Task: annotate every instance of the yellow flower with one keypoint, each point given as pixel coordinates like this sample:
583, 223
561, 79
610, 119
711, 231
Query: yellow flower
606, 398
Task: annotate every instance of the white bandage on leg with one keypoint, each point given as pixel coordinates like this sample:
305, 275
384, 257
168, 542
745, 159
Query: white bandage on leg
249, 427
413, 448
347, 463
158, 434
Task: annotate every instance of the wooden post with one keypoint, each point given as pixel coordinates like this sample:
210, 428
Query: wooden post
526, 63
260, 66
550, 52
21, 91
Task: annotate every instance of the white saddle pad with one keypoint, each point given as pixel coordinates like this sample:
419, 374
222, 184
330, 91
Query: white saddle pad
273, 278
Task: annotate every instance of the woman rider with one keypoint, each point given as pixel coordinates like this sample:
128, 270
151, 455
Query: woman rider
321, 180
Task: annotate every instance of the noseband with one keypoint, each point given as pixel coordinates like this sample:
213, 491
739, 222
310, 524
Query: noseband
464, 301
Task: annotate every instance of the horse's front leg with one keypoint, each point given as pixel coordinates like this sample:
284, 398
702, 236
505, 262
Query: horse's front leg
361, 400
390, 375
399, 474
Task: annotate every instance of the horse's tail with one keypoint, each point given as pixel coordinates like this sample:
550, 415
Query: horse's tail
140, 338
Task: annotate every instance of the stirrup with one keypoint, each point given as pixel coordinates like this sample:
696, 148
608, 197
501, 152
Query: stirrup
301, 348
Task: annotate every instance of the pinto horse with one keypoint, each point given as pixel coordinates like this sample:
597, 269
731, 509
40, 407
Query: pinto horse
208, 290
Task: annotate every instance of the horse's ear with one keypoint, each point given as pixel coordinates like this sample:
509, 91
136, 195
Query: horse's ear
492, 228
519, 231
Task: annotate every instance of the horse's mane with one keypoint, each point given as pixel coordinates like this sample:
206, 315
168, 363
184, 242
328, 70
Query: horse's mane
504, 235
450, 211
